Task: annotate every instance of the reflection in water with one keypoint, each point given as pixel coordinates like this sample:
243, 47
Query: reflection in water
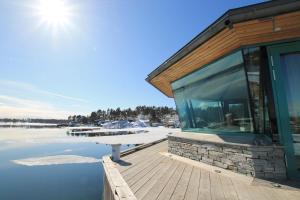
48, 182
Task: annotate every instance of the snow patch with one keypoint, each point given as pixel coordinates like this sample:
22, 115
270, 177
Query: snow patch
56, 160
121, 124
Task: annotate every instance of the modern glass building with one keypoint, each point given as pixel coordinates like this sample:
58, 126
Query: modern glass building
240, 77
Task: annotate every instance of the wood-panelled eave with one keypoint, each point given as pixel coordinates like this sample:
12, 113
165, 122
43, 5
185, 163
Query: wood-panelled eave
272, 29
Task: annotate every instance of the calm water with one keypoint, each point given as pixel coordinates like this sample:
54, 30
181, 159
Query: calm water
66, 181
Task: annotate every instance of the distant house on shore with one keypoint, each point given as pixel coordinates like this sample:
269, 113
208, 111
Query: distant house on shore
171, 121
236, 88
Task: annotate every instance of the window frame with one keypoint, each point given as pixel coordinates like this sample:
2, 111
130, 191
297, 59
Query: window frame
200, 130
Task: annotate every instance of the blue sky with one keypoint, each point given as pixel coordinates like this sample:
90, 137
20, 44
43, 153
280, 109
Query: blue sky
99, 59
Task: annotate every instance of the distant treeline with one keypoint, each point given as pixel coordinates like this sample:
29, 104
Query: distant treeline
48, 121
155, 114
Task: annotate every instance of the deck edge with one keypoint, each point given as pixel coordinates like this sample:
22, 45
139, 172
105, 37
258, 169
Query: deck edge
141, 147
115, 187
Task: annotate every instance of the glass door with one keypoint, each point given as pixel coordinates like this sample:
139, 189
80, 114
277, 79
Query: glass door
285, 71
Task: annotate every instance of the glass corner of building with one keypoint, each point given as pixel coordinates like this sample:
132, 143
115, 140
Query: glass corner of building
227, 96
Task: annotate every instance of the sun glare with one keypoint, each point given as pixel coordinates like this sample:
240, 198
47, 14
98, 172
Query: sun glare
54, 13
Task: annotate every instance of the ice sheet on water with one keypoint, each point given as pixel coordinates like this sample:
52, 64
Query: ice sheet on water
55, 160
124, 124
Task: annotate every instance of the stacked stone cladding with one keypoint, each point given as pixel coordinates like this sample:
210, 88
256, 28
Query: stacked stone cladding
266, 162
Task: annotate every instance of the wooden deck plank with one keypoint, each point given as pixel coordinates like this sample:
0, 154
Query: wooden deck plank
228, 188
152, 149
216, 190
192, 190
269, 193
171, 185
154, 192
266, 193
165, 167
293, 194
140, 166
155, 175
204, 186
138, 184
258, 194
242, 190
162, 146
144, 172
182, 185
128, 166
138, 159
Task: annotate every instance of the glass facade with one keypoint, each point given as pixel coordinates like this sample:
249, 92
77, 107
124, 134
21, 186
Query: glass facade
232, 94
252, 67
215, 97
291, 80
261, 99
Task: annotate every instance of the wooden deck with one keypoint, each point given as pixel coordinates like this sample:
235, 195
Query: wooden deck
152, 173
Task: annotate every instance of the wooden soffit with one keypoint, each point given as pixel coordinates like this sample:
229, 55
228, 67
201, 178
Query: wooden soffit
271, 29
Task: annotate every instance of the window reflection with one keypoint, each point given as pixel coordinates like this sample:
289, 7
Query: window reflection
252, 63
215, 98
262, 104
291, 75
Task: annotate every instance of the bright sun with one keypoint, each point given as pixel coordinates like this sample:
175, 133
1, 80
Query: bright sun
54, 13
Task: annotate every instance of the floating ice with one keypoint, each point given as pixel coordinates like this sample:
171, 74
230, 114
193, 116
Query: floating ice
56, 160
121, 124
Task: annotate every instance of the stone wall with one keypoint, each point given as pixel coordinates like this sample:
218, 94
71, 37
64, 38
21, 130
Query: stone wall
266, 162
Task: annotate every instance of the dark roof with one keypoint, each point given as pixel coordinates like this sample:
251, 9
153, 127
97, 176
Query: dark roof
232, 16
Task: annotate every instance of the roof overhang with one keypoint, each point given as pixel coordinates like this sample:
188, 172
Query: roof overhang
226, 21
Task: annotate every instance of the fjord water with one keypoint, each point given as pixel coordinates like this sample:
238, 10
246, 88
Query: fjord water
60, 182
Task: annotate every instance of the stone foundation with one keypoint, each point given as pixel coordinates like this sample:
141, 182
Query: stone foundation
266, 162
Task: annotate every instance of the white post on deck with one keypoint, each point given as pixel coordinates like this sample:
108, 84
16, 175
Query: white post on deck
116, 149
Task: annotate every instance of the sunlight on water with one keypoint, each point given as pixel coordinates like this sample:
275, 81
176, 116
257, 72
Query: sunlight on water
54, 172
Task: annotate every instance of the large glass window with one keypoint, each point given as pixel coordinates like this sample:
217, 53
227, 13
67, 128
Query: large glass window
215, 98
252, 57
262, 104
